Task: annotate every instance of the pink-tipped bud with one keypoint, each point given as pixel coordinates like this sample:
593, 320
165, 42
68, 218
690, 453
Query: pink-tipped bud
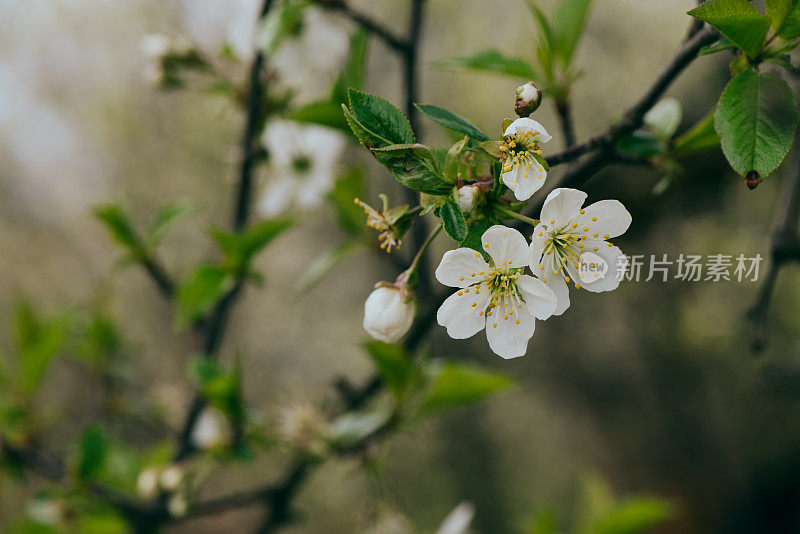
529, 98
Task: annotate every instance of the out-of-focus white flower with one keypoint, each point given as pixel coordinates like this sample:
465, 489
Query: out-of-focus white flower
494, 295
309, 60
570, 244
387, 313
301, 167
212, 430
155, 46
178, 505
171, 478
303, 427
46, 511
522, 172
529, 98
147, 483
213, 23
458, 520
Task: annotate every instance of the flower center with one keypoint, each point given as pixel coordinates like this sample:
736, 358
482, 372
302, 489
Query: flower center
301, 163
520, 151
505, 298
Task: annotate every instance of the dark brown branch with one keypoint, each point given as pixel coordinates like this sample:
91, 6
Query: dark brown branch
632, 119
564, 112
160, 277
370, 25
218, 318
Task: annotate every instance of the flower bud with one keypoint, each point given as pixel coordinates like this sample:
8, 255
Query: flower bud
171, 478
388, 313
178, 505
147, 483
212, 430
528, 99
468, 197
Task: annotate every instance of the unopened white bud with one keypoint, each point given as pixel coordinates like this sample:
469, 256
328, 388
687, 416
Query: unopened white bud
147, 483
212, 430
171, 478
528, 99
664, 118
387, 317
178, 505
468, 197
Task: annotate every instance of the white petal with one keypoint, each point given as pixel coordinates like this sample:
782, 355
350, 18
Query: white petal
277, 197
561, 206
506, 246
559, 287
612, 218
598, 268
538, 244
460, 317
522, 125
506, 338
458, 521
461, 267
524, 183
541, 300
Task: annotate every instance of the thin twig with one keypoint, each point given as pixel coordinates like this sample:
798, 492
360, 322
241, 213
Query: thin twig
633, 117
369, 24
564, 112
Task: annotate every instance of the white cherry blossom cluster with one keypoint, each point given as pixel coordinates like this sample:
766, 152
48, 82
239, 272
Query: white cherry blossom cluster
509, 283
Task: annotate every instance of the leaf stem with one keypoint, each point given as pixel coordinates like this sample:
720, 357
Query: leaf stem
413, 267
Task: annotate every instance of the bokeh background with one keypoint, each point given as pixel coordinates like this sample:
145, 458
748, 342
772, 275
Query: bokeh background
653, 386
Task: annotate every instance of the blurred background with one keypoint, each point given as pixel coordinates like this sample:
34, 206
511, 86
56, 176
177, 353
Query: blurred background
653, 387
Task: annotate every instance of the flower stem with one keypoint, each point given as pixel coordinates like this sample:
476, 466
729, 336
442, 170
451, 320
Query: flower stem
423, 248
515, 215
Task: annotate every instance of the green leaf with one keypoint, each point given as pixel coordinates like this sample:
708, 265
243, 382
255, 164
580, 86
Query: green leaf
641, 145
664, 118
279, 24
348, 188
738, 21
380, 116
201, 290
323, 264
756, 120
352, 427
368, 139
415, 167
458, 384
325, 113
453, 160
493, 148
393, 363
167, 217
634, 515
453, 220
541, 161
448, 119
701, 136
91, 454
493, 62
431, 202
37, 342
119, 226
476, 229
719, 46
221, 388
785, 15
240, 248
569, 23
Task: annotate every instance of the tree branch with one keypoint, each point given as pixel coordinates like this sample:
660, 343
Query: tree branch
394, 42
632, 119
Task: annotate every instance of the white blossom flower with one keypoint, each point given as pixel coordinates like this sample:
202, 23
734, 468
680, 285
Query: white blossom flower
522, 173
458, 520
178, 505
147, 483
570, 244
495, 295
308, 60
155, 46
301, 167
387, 314
171, 477
212, 430
46, 511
